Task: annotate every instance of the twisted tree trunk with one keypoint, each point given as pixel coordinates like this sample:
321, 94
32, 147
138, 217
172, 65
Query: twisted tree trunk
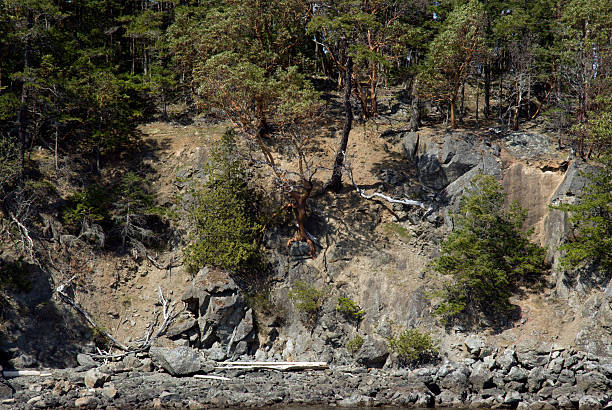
335, 182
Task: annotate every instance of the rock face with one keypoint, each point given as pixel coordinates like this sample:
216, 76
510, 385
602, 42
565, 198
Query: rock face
438, 166
220, 313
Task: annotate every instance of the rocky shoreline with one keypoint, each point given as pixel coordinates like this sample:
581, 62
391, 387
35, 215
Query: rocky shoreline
490, 378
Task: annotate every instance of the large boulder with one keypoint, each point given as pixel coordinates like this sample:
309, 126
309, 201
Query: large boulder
181, 361
373, 352
219, 310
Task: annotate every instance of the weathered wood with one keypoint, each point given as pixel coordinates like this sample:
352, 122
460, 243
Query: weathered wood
273, 366
20, 373
210, 377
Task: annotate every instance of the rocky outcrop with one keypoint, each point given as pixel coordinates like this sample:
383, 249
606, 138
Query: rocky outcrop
451, 164
220, 317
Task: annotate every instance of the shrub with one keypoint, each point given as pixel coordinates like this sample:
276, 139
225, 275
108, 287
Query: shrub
354, 344
591, 217
349, 309
414, 346
90, 205
308, 300
225, 228
486, 254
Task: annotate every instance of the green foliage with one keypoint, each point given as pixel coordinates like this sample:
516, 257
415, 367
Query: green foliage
414, 346
90, 205
225, 227
458, 46
350, 309
15, 275
591, 217
308, 300
354, 344
486, 254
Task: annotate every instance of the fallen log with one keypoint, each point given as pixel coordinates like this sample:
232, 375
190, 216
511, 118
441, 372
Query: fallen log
20, 373
273, 366
209, 377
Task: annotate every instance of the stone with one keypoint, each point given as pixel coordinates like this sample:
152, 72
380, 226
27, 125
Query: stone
216, 353
530, 359
373, 352
517, 374
556, 365
110, 392
474, 345
535, 378
593, 382
589, 403
86, 361
456, 381
512, 398
356, 400
481, 377
507, 360
181, 361
87, 401
181, 325
94, 378
566, 377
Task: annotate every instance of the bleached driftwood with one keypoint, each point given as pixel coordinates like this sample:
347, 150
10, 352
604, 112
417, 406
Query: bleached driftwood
210, 377
273, 366
20, 373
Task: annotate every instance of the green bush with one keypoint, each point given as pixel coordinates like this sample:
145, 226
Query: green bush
414, 346
308, 300
591, 217
350, 309
91, 205
225, 227
354, 344
486, 255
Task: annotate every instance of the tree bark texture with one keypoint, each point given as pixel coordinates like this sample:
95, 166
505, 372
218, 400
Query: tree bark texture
335, 182
415, 107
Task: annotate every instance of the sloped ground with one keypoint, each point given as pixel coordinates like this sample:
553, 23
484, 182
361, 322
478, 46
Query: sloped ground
364, 252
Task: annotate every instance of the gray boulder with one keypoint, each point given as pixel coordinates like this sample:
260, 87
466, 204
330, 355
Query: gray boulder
94, 378
373, 352
181, 361
474, 345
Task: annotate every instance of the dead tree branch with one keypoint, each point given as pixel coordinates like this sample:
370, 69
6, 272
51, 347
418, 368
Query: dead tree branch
409, 202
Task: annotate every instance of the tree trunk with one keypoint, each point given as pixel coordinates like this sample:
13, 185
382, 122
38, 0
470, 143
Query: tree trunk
335, 182
453, 114
415, 105
477, 100
462, 107
487, 90
22, 114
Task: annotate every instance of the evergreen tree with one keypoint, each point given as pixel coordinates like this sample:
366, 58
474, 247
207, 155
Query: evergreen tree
591, 217
486, 255
452, 54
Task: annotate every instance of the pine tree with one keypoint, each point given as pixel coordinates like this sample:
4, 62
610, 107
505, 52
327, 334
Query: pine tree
591, 217
486, 255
